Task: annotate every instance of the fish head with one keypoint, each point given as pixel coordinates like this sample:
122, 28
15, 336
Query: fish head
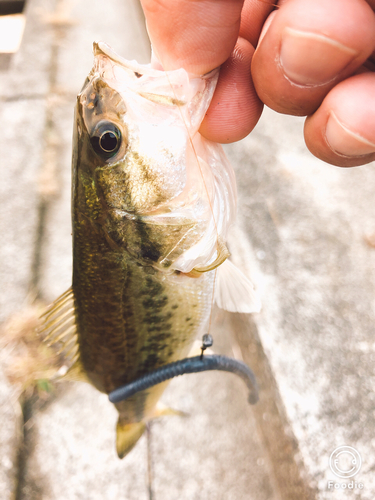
139, 165
136, 165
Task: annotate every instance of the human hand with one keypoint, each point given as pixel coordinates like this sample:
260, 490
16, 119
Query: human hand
313, 58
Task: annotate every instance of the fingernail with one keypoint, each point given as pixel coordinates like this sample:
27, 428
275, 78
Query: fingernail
345, 142
312, 59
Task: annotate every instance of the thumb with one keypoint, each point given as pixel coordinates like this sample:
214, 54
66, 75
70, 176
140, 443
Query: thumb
195, 35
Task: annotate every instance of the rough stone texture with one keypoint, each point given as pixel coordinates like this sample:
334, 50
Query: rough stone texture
10, 438
56, 249
21, 146
74, 452
22, 141
307, 223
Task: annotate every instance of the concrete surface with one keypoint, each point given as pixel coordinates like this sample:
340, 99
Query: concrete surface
301, 236
307, 225
10, 438
21, 146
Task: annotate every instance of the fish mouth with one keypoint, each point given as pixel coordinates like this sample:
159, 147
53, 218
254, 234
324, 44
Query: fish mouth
138, 75
103, 49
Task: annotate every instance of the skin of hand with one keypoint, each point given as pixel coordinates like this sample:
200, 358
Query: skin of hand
313, 58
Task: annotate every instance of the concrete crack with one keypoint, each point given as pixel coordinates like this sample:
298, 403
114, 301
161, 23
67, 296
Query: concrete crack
151, 495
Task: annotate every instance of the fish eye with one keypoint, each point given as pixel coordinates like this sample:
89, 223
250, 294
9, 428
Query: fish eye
106, 139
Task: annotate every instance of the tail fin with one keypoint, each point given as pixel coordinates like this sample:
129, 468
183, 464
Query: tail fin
127, 436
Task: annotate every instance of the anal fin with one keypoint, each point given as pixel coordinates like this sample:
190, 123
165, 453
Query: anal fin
162, 410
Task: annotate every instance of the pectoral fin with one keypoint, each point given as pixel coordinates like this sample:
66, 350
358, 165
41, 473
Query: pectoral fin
234, 292
127, 436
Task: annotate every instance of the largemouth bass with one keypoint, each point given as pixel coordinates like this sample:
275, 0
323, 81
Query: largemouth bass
152, 202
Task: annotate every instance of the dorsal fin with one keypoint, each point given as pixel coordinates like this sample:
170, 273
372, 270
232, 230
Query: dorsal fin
58, 329
58, 326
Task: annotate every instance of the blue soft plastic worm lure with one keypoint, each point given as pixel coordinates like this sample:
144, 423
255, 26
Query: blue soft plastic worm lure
189, 365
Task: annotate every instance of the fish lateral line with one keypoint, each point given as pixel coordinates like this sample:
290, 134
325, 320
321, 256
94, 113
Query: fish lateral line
195, 364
